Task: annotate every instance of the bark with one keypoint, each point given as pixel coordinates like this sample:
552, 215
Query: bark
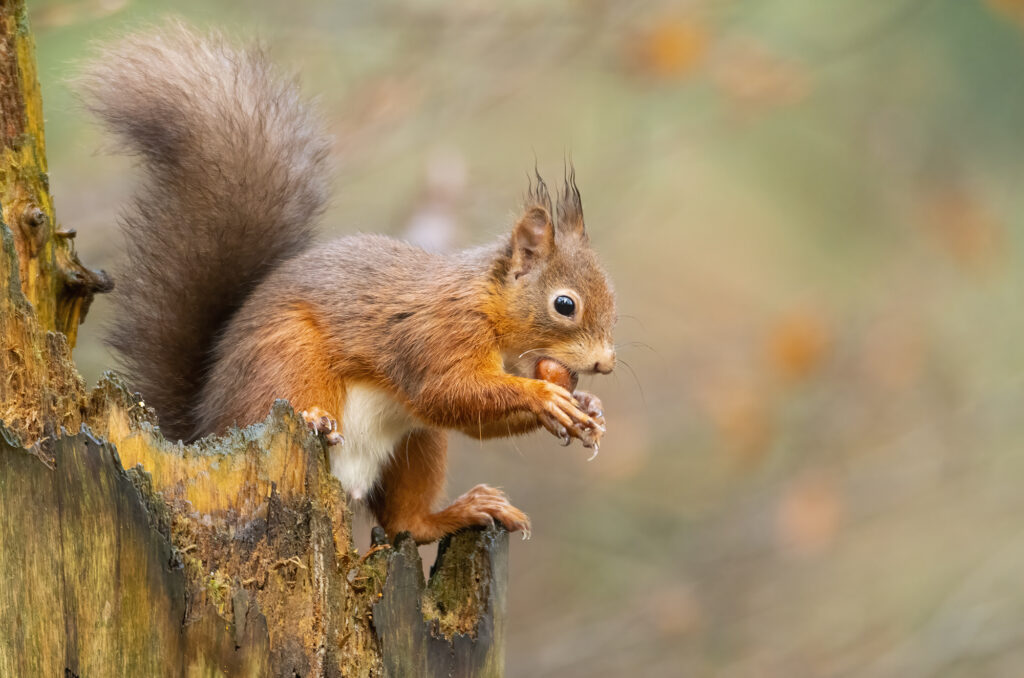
231, 556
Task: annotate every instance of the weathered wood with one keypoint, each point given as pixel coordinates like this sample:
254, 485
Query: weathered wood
255, 514
232, 556
91, 585
54, 281
43, 286
453, 625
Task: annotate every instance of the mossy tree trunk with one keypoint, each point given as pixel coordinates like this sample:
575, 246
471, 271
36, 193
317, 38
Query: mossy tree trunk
232, 556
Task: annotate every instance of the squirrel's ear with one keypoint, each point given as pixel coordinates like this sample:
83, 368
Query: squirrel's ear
533, 240
570, 208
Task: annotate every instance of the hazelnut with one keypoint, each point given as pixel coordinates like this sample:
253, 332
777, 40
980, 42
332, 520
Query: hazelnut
556, 373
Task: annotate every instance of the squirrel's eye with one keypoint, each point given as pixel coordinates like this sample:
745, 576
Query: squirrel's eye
565, 306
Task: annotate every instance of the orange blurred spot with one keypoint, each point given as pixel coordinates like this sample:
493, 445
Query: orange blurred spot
55, 16
676, 611
964, 226
798, 344
752, 76
58, 15
1011, 9
673, 48
893, 352
809, 513
741, 411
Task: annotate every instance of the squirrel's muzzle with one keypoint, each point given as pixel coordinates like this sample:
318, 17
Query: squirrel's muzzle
605, 361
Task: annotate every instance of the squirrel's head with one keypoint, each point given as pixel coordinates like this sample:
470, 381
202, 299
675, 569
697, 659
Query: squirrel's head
558, 301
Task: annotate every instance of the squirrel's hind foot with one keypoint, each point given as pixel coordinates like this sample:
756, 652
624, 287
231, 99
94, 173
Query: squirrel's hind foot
482, 505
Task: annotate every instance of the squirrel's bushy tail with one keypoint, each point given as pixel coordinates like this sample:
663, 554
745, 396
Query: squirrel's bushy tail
234, 174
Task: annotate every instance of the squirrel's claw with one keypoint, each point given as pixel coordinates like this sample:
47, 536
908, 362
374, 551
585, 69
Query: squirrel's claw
483, 505
590, 432
591, 404
322, 422
568, 416
556, 429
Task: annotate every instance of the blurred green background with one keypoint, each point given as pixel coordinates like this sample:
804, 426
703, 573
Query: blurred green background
811, 213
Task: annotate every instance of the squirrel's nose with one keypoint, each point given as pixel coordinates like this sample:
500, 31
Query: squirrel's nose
606, 363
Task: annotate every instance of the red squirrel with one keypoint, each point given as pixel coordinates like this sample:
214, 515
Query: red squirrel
227, 303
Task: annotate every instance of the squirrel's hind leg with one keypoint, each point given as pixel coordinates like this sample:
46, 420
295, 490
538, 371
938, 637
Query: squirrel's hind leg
413, 481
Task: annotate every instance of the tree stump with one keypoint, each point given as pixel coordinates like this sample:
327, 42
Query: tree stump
122, 553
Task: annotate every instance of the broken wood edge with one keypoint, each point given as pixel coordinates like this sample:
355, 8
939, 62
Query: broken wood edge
255, 510
454, 623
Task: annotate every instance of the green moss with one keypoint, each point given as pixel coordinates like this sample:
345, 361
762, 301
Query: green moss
11, 255
218, 588
9, 437
458, 591
21, 22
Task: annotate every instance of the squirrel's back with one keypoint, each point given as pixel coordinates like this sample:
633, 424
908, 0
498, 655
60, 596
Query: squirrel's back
234, 175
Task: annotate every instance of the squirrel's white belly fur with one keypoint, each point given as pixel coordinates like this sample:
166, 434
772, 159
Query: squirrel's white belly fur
372, 423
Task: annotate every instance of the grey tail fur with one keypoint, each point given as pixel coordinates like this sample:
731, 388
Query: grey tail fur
234, 174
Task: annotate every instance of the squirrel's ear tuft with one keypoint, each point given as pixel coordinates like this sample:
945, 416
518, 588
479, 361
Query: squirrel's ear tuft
570, 207
533, 240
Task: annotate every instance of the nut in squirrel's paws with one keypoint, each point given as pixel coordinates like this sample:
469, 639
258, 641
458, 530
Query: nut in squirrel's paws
322, 422
556, 373
484, 504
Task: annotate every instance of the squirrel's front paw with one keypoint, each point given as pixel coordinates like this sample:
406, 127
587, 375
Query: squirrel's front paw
322, 422
591, 404
566, 418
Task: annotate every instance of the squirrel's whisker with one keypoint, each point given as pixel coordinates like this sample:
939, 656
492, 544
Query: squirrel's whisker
629, 367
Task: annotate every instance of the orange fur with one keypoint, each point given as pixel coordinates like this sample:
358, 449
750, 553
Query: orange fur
412, 482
